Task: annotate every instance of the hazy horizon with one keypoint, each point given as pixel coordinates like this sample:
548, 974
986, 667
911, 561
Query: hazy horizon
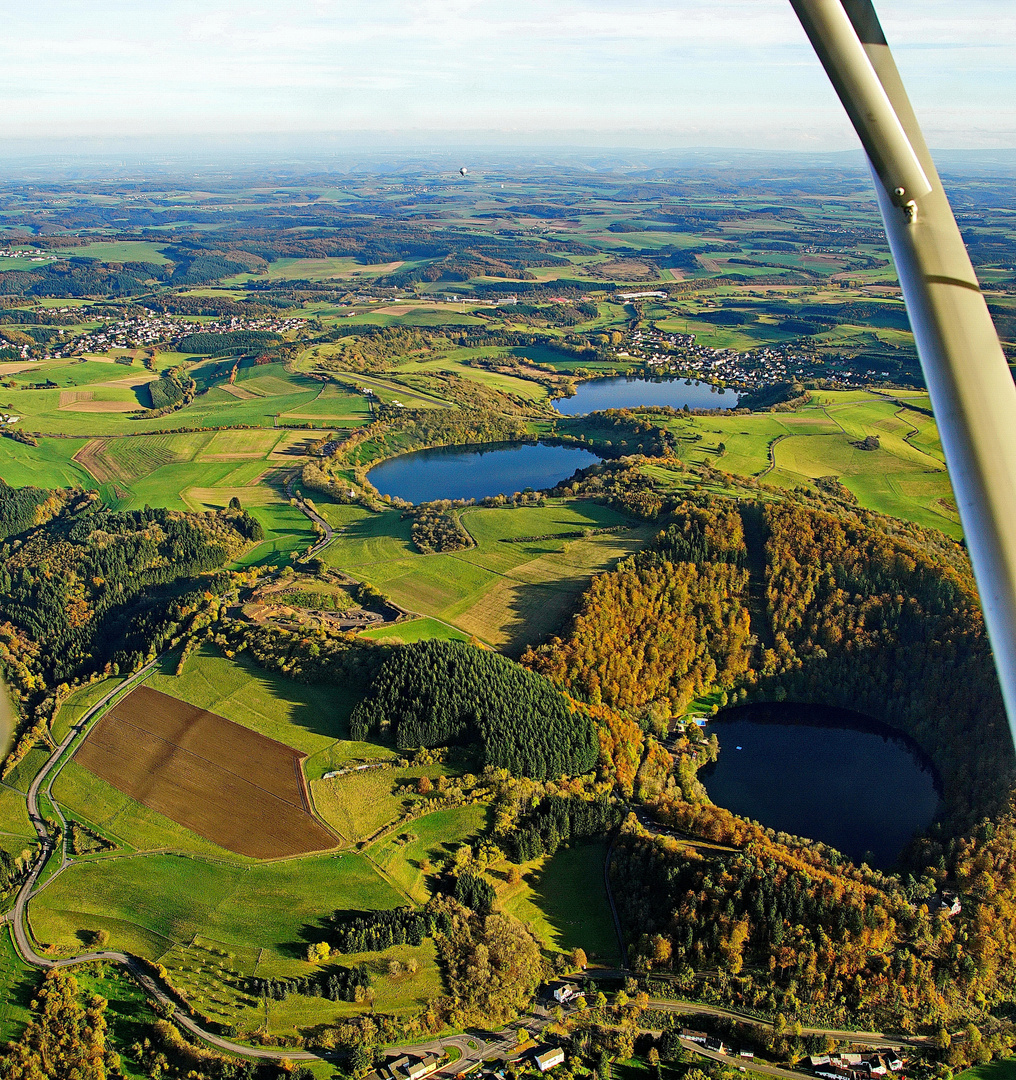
638, 74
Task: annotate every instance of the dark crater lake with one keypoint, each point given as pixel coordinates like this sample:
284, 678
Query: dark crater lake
621, 392
823, 773
474, 472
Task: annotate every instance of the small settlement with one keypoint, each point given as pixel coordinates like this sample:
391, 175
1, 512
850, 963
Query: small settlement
855, 1066
863, 1066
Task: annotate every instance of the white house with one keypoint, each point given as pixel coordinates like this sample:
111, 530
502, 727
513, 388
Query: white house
549, 1059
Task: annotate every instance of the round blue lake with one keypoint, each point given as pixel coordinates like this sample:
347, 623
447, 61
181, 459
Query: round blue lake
826, 774
620, 392
474, 472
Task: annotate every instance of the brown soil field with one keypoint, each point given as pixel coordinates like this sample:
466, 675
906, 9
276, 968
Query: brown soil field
92, 457
624, 270
221, 780
236, 391
132, 382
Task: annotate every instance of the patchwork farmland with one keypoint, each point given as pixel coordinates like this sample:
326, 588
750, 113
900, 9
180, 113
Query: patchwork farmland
223, 781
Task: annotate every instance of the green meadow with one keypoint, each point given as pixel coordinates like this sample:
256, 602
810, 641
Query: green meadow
905, 476
152, 903
507, 591
19, 982
564, 900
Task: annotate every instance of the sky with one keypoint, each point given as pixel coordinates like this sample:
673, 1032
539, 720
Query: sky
645, 73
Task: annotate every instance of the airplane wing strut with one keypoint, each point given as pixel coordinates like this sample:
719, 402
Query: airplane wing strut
972, 391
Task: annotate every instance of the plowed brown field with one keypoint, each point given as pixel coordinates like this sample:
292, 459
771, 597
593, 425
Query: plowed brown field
221, 780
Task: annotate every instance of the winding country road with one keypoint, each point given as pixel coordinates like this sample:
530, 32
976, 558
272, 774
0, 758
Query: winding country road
473, 1048
314, 516
28, 890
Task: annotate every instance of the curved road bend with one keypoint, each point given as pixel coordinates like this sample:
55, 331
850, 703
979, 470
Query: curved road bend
483, 1050
28, 890
314, 516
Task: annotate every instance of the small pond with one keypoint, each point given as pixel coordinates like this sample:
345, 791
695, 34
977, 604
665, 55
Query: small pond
620, 392
474, 472
823, 773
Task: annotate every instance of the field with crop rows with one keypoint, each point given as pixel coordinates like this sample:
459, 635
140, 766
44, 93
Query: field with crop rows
225, 782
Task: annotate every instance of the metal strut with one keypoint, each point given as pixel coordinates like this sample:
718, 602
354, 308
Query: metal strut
972, 391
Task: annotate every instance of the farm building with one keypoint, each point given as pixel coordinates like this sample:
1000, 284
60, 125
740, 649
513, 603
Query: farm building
413, 1068
548, 1059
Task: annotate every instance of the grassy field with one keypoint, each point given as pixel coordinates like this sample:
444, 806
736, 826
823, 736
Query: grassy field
416, 630
503, 592
15, 827
78, 703
311, 719
211, 976
259, 396
359, 804
904, 477
121, 251
994, 1070
20, 777
153, 903
434, 837
308, 718
564, 901
48, 465
189, 471
19, 982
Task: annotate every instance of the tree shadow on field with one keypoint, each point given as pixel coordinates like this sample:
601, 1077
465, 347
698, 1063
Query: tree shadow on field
536, 611
318, 708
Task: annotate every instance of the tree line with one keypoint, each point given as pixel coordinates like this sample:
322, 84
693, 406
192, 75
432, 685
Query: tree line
434, 693
557, 820
380, 930
335, 984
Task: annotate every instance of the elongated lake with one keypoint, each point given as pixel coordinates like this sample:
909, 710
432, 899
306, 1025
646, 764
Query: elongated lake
474, 472
621, 392
823, 773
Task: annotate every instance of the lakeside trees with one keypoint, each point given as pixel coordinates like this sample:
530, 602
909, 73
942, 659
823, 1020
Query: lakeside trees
785, 601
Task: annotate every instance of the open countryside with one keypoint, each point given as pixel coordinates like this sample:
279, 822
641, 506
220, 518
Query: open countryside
308, 775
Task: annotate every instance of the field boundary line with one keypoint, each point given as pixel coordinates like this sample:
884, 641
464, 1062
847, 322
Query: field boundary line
385, 876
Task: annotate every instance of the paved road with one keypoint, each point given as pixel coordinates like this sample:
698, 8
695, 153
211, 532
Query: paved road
875, 1039
314, 516
741, 1063
28, 890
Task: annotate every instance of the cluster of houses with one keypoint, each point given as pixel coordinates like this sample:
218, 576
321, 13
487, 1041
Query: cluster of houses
410, 1067
150, 328
756, 368
855, 1066
867, 1066
420, 1066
